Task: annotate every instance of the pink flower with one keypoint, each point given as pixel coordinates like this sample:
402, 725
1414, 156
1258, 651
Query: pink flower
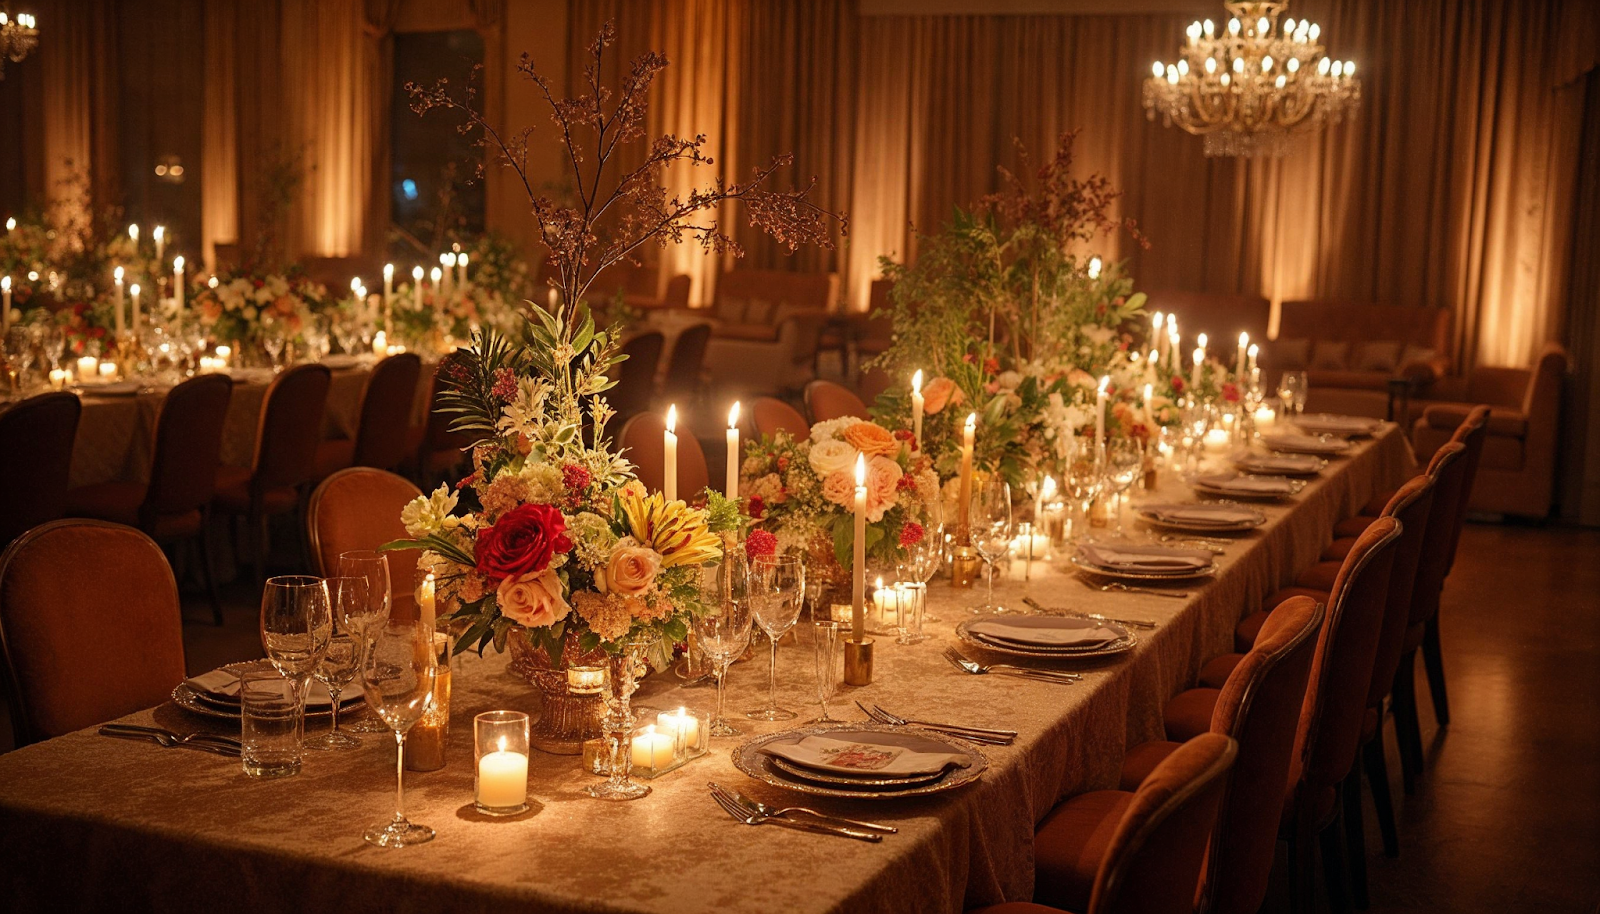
839, 488
631, 569
883, 481
533, 600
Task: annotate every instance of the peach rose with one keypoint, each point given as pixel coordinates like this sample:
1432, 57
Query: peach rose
871, 439
939, 393
839, 488
883, 481
533, 600
631, 569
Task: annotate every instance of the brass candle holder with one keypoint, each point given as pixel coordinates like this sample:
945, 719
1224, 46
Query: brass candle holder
858, 661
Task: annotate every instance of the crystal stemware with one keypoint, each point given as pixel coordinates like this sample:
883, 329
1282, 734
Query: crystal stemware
1124, 461
363, 608
990, 521
621, 682
827, 645
1292, 391
923, 560
723, 630
397, 678
296, 626
337, 669
777, 586
1081, 482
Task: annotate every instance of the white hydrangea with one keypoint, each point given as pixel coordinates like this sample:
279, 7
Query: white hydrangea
425, 515
592, 539
832, 428
544, 482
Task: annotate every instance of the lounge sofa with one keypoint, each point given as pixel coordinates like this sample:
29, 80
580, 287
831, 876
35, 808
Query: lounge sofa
1358, 357
766, 327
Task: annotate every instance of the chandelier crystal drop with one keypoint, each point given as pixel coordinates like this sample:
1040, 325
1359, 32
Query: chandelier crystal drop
18, 36
1248, 86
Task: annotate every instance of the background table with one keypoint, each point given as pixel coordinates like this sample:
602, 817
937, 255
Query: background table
87, 821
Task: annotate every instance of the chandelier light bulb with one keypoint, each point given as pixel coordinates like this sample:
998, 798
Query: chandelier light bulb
1210, 28
1233, 27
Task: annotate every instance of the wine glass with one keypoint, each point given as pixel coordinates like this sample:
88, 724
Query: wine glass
777, 585
1292, 391
363, 607
990, 522
723, 631
1124, 461
1081, 482
397, 677
923, 560
296, 626
274, 342
827, 637
337, 669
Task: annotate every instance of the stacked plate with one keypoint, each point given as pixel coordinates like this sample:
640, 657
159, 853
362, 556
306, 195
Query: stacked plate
1239, 485
1320, 445
870, 761
1144, 563
1056, 637
1279, 464
1330, 424
1202, 517
216, 694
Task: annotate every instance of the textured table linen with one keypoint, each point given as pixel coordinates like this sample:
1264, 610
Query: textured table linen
86, 820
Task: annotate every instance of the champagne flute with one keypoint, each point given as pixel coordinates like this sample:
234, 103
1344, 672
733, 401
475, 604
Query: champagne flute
365, 609
296, 626
398, 678
1292, 390
1124, 461
777, 585
723, 630
990, 522
827, 634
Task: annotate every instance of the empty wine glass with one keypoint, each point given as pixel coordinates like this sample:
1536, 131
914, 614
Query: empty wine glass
923, 560
990, 522
1124, 461
274, 342
296, 625
827, 638
1292, 391
723, 631
397, 678
363, 607
777, 585
337, 669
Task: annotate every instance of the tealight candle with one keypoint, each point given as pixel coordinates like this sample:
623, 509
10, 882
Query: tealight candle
586, 680
108, 370
225, 354
380, 343
683, 726
1265, 416
501, 782
59, 378
1218, 439
882, 599
652, 749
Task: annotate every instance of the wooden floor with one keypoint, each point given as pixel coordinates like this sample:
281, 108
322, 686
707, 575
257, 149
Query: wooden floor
1507, 815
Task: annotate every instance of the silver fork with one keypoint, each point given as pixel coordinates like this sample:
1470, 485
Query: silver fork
1092, 617
975, 668
203, 742
762, 808
975, 734
1124, 588
749, 817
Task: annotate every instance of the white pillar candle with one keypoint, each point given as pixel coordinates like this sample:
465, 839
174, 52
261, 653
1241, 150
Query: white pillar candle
134, 291
1100, 412
116, 277
88, 369
682, 726
1155, 330
416, 290
461, 270
1254, 351
1241, 366
388, 285
502, 779
1152, 364
5, 304
652, 749
858, 621
1174, 344
964, 489
1047, 488
731, 486
108, 371
177, 281
133, 233
160, 236
1194, 377
916, 408
427, 608
669, 455
380, 344
442, 273
1149, 414
438, 288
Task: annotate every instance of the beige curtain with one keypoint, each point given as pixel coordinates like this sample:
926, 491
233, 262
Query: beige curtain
219, 131
79, 87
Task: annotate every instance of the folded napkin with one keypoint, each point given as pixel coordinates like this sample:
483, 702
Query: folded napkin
1216, 515
1145, 558
1307, 443
1348, 425
1279, 463
223, 685
1061, 633
1257, 485
863, 756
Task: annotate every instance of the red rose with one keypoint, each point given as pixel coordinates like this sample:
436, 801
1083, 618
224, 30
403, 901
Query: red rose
760, 543
1230, 392
521, 543
1177, 384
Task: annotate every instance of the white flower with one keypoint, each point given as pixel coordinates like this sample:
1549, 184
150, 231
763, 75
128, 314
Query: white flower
831, 429
1009, 380
544, 482
830, 455
1098, 334
425, 515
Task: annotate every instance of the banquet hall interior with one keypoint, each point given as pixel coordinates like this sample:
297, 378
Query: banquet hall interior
1029, 455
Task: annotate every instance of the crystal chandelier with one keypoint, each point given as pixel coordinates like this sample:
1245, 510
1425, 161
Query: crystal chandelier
17, 37
1247, 89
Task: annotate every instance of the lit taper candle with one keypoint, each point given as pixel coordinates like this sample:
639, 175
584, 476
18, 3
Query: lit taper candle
731, 486
669, 455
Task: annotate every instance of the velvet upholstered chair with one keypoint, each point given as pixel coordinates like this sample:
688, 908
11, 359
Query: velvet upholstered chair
686, 365
286, 449
358, 510
1155, 843
826, 400
636, 377
69, 662
33, 478
435, 450
383, 432
772, 415
643, 437
175, 505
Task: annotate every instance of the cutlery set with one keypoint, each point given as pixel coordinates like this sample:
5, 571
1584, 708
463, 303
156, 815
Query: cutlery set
754, 812
203, 742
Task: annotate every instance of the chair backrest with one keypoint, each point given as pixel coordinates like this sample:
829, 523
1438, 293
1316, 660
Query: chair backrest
291, 427
1472, 432
1426, 327
386, 408
873, 382
1259, 707
1152, 862
1336, 695
772, 415
81, 649
359, 508
1411, 505
183, 468
438, 436
826, 400
36, 439
636, 382
644, 444
687, 360
1448, 470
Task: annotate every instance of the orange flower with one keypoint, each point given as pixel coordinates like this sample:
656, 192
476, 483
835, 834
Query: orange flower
939, 393
871, 439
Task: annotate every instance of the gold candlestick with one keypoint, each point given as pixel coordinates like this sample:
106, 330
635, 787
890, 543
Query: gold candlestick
964, 560
858, 662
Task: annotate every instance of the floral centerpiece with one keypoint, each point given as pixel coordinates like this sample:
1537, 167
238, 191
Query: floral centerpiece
452, 314
251, 307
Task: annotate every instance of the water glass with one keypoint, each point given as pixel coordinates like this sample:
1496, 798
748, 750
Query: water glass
777, 587
271, 724
827, 638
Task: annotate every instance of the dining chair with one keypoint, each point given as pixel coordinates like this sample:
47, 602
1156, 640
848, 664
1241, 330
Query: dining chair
826, 400
286, 448
1150, 843
382, 433
81, 649
1471, 434
643, 443
1259, 707
772, 415
359, 509
636, 378
175, 505
684, 367
33, 478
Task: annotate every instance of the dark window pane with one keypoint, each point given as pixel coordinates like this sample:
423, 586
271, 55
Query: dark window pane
433, 191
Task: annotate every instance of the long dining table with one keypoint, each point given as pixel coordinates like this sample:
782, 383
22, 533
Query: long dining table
87, 821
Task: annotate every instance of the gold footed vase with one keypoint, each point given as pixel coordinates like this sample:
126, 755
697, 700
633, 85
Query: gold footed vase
566, 720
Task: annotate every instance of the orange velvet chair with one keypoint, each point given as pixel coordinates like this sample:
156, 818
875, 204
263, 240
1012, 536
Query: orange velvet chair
176, 503
1150, 843
644, 445
69, 662
286, 450
772, 415
636, 378
33, 479
382, 436
359, 509
826, 400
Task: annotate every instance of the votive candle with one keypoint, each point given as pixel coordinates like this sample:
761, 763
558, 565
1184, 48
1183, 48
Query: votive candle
652, 749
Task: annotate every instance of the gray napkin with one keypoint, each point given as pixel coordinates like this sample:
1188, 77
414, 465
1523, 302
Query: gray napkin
1145, 558
1255, 485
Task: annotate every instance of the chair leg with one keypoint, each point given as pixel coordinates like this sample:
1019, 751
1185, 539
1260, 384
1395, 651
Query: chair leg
1433, 662
1378, 778
205, 569
1355, 837
1335, 878
1407, 728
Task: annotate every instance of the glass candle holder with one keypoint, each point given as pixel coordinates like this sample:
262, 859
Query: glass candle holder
688, 729
500, 780
653, 752
586, 680
426, 741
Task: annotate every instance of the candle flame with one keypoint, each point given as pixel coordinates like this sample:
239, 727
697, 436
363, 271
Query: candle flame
733, 415
388, 271
1149, 389
11, 224
1201, 341
1105, 384
5, 283
1244, 339
1253, 350
1157, 320
160, 232
461, 260
355, 283
1048, 487
134, 289
416, 273
434, 275
177, 264
972, 421
1199, 356
1094, 268
672, 417
880, 582
916, 382
861, 469
117, 274
133, 232
502, 744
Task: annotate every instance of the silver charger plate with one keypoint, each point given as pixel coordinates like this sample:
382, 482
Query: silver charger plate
1327, 446
1296, 486
822, 777
1254, 468
1120, 646
1183, 527
190, 699
1327, 424
1120, 575
749, 758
